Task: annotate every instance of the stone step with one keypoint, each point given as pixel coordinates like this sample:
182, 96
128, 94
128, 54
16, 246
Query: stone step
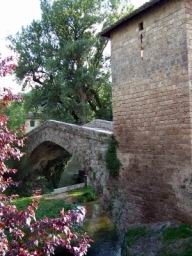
68, 188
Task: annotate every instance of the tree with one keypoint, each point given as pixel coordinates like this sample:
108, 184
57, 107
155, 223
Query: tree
61, 57
20, 233
16, 115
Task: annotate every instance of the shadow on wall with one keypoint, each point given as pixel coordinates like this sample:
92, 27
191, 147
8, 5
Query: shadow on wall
70, 175
56, 165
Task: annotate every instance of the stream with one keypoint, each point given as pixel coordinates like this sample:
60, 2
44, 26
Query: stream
101, 229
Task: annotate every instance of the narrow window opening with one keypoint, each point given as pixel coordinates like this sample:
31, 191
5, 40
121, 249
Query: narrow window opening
142, 48
142, 53
141, 27
141, 37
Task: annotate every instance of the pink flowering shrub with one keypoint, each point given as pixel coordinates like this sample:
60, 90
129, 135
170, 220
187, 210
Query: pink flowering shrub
7, 65
20, 233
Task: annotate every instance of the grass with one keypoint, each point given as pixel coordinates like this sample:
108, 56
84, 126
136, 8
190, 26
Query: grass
134, 234
52, 207
47, 207
83, 195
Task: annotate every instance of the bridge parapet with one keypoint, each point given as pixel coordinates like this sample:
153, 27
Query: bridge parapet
100, 124
89, 132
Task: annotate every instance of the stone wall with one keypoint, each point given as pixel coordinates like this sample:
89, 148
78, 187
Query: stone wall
89, 145
152, 114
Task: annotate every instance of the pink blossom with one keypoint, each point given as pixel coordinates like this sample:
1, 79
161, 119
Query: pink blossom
20, 233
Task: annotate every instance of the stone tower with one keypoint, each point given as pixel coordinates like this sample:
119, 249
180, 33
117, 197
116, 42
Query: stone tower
152, 107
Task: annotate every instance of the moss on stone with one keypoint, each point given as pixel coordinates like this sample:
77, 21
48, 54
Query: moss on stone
158, 240
174, 233
134, 234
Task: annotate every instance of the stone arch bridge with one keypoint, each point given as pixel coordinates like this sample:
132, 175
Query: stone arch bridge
88, 143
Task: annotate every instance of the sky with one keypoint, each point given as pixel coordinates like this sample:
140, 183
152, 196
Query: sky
13, 15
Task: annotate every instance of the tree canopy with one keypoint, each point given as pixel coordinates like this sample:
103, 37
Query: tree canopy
61, 57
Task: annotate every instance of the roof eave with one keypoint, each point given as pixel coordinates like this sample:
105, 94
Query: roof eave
107, 32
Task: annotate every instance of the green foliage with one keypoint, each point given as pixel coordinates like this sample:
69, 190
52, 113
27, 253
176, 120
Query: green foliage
112, 161
26, 187
179, 236
31, 102
62, 56
45, 178
54, 169
51, 207
172, 240
16, 115
134, 234
86, 194
167, 240
174, 233
27, 179
47, 207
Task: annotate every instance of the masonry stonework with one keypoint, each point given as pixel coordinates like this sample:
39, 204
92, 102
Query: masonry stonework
152, 107
88, 144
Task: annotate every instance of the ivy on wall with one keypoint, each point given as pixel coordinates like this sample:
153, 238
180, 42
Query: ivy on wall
112, 161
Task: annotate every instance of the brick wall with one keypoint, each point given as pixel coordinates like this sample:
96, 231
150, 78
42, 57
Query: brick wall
152, 115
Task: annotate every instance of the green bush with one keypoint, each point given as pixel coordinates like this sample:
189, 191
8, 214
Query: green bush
87, 194
112, 161
27, 186
29, 179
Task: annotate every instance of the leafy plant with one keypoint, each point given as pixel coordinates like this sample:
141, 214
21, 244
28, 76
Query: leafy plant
87, 194
16, 114
112, 161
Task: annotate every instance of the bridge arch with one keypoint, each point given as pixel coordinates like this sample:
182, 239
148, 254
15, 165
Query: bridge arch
88, 144
48, 161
